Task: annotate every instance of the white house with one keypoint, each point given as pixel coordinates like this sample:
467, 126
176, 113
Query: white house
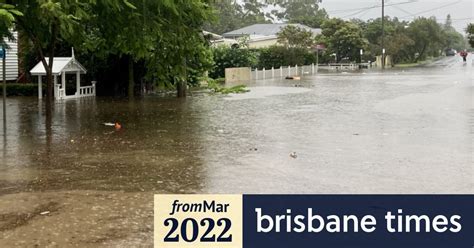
11, 59
264, 35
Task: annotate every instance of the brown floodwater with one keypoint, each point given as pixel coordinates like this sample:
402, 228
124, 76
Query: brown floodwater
73, 181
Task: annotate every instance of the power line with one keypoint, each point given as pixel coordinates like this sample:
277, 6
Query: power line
429, 10
368, 8
396, 7
354, 14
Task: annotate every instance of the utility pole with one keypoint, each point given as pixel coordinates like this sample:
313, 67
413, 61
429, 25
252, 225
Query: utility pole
383, 34
4, 55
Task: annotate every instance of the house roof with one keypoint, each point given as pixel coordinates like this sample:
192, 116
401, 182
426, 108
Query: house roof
60, 65
267, 29
212, 36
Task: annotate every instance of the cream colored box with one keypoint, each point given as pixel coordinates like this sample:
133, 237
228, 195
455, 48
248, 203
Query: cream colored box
189, 220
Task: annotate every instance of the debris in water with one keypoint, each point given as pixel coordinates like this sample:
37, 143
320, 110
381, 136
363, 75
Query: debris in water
44, 213
293, 155
293, 78
117, 126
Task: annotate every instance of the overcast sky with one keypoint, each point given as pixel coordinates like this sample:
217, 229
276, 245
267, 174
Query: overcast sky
461, 11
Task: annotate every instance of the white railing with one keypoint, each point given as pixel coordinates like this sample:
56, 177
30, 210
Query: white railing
83, 91
347, 66
87, 90
61, 92
290, 71
287, 71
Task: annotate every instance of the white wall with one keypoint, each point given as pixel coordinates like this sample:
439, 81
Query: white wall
262, 43
11, 60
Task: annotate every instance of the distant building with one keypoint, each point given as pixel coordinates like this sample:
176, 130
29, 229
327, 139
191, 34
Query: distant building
218, 40
264, 35
11, 59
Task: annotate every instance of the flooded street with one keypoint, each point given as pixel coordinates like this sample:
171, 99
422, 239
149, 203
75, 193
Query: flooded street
77, 182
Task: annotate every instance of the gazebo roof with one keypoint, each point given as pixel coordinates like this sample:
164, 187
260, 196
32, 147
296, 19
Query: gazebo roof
60, 65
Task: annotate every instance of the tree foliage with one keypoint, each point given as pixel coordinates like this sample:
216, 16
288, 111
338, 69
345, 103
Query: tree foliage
305, 12
232, 14
294, 36
276, 56
7, 19
161, 40
470, 34
427, 36
410, 41
343, 38
164, 35
225, 57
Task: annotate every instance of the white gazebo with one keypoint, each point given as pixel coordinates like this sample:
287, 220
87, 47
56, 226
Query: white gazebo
61, 67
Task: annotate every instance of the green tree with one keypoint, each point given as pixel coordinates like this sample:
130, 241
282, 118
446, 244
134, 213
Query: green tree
232, 15
46, 23
305, 12
294, 36
396, 39
470, 34
7, 19
182, 48
164, 36
452, 38
128, 31
343, 38
427, 36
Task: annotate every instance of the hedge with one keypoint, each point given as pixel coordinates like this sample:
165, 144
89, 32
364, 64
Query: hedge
226, 57
15, 89
277, 56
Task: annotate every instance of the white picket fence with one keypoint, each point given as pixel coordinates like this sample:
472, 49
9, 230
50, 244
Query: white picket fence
289, 71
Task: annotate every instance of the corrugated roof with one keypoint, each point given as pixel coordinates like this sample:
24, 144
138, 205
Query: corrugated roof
266, 29
60, 64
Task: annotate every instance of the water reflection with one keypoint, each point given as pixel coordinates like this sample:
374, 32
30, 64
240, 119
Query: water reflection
154, 151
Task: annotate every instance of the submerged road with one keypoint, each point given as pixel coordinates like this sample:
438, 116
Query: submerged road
77, 182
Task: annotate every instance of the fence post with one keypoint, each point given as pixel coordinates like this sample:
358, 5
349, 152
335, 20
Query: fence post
289, 71
312, 68
263, 73
281, 71
273, 72
256, 73
296, 68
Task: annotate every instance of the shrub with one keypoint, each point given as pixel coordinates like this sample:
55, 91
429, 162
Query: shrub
277, 56
225, 57
16, 89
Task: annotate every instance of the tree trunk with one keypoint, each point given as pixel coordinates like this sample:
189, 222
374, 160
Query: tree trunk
181, 84
421, 54
181, 89
131, 82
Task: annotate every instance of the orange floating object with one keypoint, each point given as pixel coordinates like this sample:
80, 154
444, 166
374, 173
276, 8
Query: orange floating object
117, 126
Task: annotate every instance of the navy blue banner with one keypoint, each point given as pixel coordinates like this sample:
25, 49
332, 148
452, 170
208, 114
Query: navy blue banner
283, 221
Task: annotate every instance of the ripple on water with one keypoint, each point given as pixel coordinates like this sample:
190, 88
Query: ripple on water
262, 92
